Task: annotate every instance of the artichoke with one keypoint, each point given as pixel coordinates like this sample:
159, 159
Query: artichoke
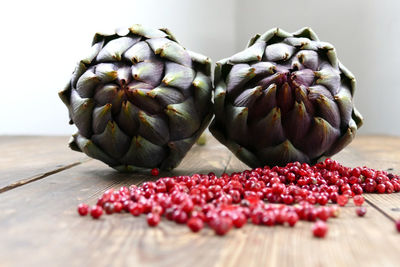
139, 100
285, 98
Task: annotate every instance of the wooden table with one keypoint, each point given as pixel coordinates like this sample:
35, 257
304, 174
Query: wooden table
42, 181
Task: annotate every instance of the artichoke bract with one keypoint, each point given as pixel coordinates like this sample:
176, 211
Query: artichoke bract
139, 100
285, 98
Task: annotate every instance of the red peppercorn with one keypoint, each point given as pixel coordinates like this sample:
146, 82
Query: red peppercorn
277, 188
153, 219
195, 224
358, 200
239, 219
118, 207
256, 218
310, 214
198, 214
397, 223
96, 211
157, 209
361, 211
370, 187
155, 172
127, 205
323, 213
268, 218
222, 225
83, 209
180, 216
319, 229
187, 206
381, 188
389, 187
311, 199
334, 196
287, 199
109, 208
322, 200
280, 217
292, 219
357, 189
342, 200
136, 209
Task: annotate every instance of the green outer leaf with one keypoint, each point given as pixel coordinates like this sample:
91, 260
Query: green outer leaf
265, 37
203, 61
306, 32
147, 32
253, 53
219, 101
281, 154
89, 148
178, 149
183, 119
143, 153
112, 140
239, 151
81, 113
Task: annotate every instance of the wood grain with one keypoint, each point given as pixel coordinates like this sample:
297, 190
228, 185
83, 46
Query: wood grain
39, 225
39, 220
31, 157
351, 239
378, 152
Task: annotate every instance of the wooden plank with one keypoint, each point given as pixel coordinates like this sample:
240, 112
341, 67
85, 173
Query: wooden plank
24, 158
351, 239
378, 152
39, 226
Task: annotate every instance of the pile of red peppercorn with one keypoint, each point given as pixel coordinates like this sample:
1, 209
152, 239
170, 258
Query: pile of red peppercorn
263, 196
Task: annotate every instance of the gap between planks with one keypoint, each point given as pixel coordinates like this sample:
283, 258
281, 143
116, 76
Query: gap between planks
40, 176
372, 204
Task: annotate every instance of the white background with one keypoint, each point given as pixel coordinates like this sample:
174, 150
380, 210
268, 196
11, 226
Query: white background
42, 40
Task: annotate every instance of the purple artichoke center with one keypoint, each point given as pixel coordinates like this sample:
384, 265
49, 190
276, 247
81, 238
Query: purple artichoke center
139, 100
289, 97
285, 98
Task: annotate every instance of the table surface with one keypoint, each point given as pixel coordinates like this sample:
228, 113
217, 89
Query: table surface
42, 181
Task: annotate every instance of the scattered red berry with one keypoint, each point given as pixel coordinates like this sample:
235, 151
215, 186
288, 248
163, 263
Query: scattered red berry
109, 208
155, 172
179, 216
292, 219
398, 225
381, 188
118, 207
96, 212
342, 200
358, 200
222, 225
323, 213
319, 229
239, 220
83, 209
361, 211
195, 224
153, 219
